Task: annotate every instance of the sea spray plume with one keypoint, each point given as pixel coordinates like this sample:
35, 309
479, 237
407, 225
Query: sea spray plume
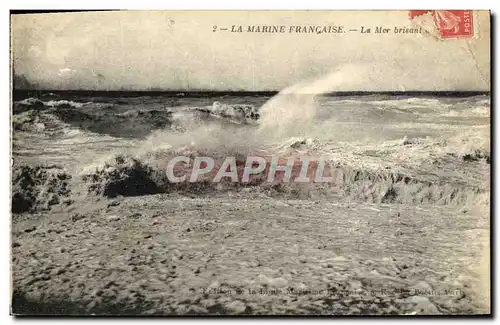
210, 137
293, 111
290, 113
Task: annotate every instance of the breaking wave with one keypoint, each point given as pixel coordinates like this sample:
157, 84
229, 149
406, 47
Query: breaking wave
64, 116
243, 114
451, 171
36, 103
51, 103
481, 111
380, 150
132, 176
65, 103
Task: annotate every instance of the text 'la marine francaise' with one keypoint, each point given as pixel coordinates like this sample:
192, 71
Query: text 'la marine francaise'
306, 29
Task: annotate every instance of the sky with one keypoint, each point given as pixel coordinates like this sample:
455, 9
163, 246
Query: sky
179, 50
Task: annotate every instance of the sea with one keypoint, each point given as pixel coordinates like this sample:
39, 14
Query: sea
441, 139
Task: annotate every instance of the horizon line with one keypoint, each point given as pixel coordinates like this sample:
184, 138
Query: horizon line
181, 92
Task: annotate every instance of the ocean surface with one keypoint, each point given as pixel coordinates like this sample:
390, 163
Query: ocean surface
383, 148
429, 138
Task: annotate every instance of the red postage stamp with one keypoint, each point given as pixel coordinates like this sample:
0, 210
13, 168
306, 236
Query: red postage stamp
449, 23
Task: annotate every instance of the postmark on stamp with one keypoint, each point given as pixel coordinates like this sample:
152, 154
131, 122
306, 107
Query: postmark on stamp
445, 24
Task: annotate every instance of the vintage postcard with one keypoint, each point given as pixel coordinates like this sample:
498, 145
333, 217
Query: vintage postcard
251, 163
